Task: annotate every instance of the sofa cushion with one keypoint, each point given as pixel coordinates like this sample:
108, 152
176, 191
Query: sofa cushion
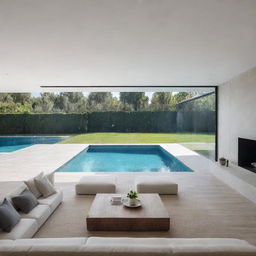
57, 246
156, 184
25, 202
206, 241
4, 242
32, 186
9, 217
90, 185
50, 177
211, 247
6, 247
53, 201
40, 213
25, 228
44, 186
106, 246
72, 241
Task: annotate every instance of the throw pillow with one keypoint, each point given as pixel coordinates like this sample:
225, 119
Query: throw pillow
25, 202
9, 217
32, 186
44, 186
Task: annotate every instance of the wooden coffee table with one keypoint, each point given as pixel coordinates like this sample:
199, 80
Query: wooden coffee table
151, 216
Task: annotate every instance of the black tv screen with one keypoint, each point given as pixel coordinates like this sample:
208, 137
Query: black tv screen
246, 152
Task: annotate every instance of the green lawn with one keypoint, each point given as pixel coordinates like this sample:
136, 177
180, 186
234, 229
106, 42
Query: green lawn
99, 138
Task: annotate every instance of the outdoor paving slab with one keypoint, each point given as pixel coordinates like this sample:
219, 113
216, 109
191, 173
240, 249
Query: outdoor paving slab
28, 162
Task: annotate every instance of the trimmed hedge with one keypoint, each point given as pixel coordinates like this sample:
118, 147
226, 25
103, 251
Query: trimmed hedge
43, 123
196, 121
141, 121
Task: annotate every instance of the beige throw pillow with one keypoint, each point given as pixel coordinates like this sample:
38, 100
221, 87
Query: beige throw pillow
44, 186
32, 186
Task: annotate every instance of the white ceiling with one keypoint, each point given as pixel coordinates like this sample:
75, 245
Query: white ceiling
124, 42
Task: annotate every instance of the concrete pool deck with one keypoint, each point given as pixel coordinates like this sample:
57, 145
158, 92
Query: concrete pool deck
205, 206
28, 162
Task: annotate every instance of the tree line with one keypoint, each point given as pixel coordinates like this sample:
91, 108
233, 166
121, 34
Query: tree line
77, 102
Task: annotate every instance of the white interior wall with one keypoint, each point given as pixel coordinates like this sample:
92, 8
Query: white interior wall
237, 113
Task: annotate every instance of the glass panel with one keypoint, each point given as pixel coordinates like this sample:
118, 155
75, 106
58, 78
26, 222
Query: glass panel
184, 115
196, 117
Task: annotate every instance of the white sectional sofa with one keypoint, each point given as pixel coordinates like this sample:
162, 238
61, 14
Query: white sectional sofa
19, 242
109, 246
31, 222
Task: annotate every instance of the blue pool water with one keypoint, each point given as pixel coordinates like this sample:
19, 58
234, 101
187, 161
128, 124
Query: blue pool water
13, 143
124, 159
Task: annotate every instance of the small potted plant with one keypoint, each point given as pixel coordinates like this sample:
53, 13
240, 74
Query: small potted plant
132, 196
222, 161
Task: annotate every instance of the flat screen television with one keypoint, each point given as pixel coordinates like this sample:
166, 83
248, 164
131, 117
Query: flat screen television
246, 153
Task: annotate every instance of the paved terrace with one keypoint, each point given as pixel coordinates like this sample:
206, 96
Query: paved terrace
205, 207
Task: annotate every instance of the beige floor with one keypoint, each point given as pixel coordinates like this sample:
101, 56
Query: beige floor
205, 206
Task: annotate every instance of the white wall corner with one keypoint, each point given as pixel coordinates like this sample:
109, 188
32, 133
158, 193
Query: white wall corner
237, 113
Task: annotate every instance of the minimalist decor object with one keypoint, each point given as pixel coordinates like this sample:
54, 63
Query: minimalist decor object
116, 199
253, 164
132, 198
222, 161
135, 204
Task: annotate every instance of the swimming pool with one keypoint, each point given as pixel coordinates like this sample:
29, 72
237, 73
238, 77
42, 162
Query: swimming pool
13, 143
124, 159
